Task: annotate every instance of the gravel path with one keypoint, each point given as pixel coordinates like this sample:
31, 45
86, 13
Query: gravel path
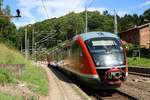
61, 88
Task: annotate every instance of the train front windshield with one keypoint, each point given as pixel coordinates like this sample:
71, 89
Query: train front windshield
106, 51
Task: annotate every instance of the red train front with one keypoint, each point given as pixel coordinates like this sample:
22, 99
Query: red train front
96, 59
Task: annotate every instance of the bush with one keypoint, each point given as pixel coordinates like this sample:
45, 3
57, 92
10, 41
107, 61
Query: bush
130, 48
5, 76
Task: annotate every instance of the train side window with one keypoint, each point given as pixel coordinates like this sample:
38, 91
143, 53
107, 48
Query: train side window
80, 52
76, 50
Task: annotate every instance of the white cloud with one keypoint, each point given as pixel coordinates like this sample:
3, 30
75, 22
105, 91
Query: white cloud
33, 9
100, 9
56, 8
22, 23
147, 3
122, 13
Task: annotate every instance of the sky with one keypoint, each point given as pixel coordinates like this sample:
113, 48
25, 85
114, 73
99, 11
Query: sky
35, 10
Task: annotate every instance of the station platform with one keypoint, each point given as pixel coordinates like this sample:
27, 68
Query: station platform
61, 88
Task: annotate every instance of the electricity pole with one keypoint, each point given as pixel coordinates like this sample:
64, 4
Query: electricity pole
28, 46
149, 34
33, 40
26, 51
86, 16
21, 46
86, 21
115, 23
35, 52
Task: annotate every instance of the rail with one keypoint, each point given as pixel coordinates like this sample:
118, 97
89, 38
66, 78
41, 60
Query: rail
145, 72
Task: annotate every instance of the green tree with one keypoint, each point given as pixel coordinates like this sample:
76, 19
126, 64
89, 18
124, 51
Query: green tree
73, 24
99, 22
147, 14
94, 20
128, 21
1, 3
7, 10
7, 28
106, 13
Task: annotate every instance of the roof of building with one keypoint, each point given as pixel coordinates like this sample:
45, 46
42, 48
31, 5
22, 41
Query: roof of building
136, 27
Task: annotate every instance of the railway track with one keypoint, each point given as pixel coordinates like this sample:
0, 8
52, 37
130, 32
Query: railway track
113, 94
127, 95
145, 72
140, 74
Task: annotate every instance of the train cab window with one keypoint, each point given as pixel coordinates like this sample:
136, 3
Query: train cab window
106, 51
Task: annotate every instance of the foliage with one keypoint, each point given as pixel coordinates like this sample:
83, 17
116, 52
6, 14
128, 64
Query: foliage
33, 75
7, 28
128, 21
130, 46
7, 10
37, 79
65, 27
10, 56
7, 96
73, 24
5, 76
147, 14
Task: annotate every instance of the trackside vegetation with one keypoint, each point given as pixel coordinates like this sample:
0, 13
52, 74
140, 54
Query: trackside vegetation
5, 76
7, 96
37, 79
139, 62
33, 76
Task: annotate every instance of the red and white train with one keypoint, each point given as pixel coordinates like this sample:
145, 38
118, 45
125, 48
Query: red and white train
96, 59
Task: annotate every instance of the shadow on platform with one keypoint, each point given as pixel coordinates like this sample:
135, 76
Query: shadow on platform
60, 75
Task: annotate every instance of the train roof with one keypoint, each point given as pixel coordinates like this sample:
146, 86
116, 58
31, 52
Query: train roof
89, 35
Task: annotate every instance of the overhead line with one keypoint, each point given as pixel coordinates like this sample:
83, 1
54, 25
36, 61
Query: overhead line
86, 16
45, 9
46, 38
90, 4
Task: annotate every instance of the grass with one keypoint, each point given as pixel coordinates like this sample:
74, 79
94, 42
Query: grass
35, 77
8, 56
7, 96
139, 62
5, 76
